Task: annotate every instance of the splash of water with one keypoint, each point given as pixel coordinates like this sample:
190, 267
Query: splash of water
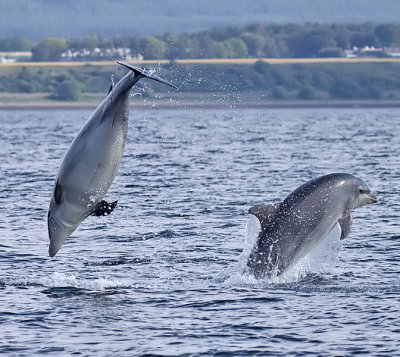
322, 259
62, 280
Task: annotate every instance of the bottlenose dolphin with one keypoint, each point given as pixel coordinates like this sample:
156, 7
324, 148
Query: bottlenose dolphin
91, 162
292, 228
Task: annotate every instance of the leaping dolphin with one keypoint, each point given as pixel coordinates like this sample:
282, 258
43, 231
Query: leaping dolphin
292, 228
91, 162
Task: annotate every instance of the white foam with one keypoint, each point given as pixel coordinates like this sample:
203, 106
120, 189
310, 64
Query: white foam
61, 280
238, 278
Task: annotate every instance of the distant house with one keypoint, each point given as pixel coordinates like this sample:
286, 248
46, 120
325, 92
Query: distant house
7, 57
350, 53
371, 51
393, 51
100, 54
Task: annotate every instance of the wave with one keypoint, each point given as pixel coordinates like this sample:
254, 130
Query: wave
62, 280
117, 261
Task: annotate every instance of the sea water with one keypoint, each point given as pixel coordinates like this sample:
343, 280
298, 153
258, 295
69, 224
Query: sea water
163, 274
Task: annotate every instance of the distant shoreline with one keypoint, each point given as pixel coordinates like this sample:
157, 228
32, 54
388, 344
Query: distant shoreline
281, 104
209, 86
224, 61
32, 101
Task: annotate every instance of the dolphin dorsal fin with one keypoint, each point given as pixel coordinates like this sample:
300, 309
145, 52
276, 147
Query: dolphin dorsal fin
111, 88
345, 223
264, 213
103, 208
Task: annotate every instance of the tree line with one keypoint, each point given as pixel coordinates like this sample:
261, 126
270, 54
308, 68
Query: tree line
262, 80
258, 41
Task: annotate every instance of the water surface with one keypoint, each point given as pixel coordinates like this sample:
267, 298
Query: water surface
162, 274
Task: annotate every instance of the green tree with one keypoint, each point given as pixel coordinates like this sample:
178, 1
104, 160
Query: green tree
207, 47
171, 43
330, 52
388, 35
90, 42
375, 93
274, 48
68, 90
28, 81
267, 79
50, 49
309, 43
362, 39
342, 36
254, 42
187, 47
322, 79
284, 77
347, 89
232, 48
153, 48
307, 92
280, 92
19, 43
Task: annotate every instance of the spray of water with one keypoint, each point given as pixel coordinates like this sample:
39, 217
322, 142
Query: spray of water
322, 259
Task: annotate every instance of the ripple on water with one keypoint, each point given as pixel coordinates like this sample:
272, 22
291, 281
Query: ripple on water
163, 274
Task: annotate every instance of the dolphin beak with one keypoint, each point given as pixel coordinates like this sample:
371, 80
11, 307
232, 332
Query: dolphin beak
371, 198
57, 234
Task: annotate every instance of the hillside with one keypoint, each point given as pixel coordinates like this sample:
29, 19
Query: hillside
73, 18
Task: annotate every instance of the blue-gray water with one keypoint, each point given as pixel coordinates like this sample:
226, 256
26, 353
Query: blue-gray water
162, 274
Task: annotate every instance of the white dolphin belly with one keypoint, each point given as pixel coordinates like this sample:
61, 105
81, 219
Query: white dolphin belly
89, 170
85, 175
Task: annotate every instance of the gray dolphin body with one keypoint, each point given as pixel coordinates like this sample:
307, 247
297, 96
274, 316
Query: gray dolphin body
91, 163
292, 228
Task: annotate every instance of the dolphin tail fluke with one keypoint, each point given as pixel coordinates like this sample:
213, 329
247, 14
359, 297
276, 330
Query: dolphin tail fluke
145, 73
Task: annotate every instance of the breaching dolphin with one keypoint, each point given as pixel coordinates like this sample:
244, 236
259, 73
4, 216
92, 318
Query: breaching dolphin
90, 164
292, 228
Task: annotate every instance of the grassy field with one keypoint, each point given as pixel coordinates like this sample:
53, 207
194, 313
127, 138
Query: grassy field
208, 61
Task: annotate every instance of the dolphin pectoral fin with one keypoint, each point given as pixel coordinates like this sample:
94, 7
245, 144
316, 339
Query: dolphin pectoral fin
345, 224
145, 73
58, 192
104, 208
264, 213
